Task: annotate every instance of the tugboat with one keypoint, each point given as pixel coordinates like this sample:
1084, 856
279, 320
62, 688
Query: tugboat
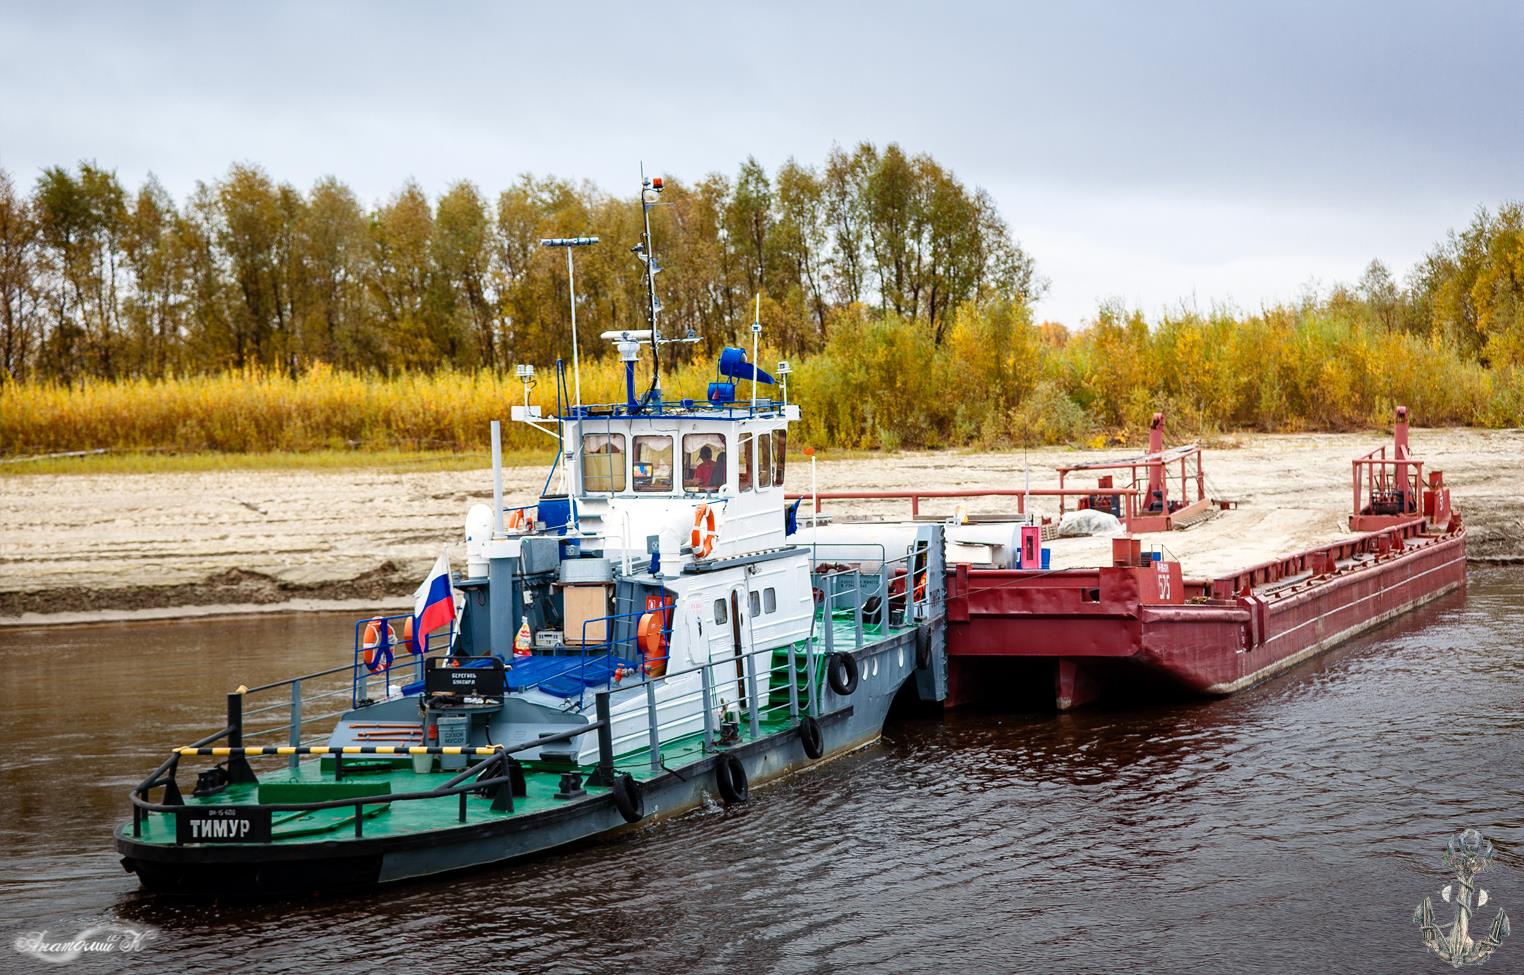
618, 651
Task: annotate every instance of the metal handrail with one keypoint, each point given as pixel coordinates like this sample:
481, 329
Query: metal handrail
915, 496
455, 786
292, 680
502, 782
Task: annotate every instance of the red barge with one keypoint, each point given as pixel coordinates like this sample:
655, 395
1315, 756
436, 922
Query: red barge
1138, 618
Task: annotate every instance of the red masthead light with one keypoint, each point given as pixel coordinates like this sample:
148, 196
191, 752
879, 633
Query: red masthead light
656, 182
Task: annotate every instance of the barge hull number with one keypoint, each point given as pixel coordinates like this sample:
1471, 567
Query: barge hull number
222, 824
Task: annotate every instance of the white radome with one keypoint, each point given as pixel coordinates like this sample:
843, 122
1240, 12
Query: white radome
478, 535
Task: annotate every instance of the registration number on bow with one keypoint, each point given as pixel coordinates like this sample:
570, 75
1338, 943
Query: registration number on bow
222, 824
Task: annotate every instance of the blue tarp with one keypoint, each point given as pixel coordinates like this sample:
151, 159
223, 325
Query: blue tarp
558, 676
565, 676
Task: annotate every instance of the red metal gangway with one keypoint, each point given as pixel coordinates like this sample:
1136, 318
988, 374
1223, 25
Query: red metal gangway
1150, 508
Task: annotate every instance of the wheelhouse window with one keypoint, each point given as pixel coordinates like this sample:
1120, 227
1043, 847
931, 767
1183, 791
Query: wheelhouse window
704, 462
780, 447
603, 462
651, 469
764, 461
754, 603
743, 448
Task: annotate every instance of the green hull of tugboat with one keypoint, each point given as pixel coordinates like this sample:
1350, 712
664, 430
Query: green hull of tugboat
913, 656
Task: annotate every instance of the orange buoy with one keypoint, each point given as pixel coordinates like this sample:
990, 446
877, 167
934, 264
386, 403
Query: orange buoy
704, 535
653, 643
377, 652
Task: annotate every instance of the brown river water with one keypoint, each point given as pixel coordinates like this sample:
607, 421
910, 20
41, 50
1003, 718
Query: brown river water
1291, 828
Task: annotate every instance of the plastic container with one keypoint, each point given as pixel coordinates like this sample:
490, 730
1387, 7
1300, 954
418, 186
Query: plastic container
454, 732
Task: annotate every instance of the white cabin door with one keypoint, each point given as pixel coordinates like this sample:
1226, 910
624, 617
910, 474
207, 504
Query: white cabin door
723, 624
738, 631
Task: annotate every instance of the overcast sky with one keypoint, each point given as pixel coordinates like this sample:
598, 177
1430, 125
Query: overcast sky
1147, 152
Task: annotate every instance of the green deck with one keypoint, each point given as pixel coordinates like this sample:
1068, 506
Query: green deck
421, 815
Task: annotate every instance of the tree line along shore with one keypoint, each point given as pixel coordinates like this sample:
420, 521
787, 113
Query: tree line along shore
254, 316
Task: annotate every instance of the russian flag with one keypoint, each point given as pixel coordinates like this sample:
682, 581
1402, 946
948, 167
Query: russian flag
433, 603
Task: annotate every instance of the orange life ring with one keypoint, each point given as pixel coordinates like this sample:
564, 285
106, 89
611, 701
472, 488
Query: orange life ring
653, 644
516, 520
377, 652
704, 534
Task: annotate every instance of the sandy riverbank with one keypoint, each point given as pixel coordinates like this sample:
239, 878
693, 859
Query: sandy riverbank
92, 547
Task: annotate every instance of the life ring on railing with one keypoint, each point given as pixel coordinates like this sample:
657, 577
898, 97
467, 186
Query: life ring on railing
704, 535
653, 643
376, 651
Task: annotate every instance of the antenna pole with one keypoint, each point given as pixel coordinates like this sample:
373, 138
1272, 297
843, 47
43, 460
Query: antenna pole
571, 292
569, 243
1026, 498
497, 479
650, 255
756, 332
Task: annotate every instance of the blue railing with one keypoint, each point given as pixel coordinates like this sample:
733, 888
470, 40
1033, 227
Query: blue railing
610, 645
682, 407
389, 651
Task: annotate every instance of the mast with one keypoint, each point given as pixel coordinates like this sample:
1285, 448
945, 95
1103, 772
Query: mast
650, 192
569, 243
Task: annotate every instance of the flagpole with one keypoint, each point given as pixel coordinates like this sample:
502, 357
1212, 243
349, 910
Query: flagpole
756, 332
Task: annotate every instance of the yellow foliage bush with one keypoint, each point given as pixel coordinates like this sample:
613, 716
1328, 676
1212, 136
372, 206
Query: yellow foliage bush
997, 381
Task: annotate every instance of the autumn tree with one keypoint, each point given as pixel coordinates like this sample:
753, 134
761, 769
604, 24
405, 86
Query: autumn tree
20, 280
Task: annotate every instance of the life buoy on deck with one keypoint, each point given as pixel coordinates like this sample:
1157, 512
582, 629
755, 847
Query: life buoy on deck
704, 535
653, 643
376, 651
517, 520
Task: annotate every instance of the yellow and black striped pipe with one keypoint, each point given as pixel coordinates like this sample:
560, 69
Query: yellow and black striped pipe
251, 751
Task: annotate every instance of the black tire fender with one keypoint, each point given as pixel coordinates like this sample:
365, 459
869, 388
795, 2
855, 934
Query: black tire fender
923, 646
841, 673
811, 737
873, 610
730, 779
629, 798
